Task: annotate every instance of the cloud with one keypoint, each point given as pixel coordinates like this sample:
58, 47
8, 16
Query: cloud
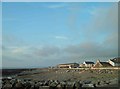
18, 50
29, 55
100, 35
91, 49
104, 21
26, 52
56, 55
47, 51
12, 40
61, 37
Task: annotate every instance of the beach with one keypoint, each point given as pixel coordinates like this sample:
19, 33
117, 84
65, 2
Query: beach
70, 77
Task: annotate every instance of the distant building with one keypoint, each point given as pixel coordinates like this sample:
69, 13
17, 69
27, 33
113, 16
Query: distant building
68, 65
115, 62
102, 64
87, 64
82, 65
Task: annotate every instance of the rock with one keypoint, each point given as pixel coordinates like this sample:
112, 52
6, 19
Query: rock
40, 84
53, 84
12, 81
46, 83
37, 85
63, 84
32, 83
107, 82
59, 86
98, 83
88, 85
27, 85
44, 87
77, 85
69, 85
67, 70
32, 87
18, 85
87, 82
7, 86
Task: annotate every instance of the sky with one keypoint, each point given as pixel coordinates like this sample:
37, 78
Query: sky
49, 33
60, 0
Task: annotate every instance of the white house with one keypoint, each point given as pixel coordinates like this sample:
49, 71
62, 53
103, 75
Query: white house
115, 62
88, 64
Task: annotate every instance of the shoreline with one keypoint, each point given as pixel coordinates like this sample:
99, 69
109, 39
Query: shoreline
87, 77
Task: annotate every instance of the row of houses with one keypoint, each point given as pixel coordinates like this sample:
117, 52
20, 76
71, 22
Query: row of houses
110, 63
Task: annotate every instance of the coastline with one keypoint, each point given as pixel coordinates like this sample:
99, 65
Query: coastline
87, 77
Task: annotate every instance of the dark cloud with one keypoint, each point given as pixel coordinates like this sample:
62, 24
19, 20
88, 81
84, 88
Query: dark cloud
100, 35
104, 22
93, 49
9, 39
47, 51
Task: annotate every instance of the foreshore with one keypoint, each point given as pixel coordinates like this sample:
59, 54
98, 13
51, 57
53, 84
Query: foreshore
52, 78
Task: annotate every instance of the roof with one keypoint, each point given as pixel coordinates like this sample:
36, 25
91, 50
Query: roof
105, 64
68, 64
88, 62
102, 64
116, 60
